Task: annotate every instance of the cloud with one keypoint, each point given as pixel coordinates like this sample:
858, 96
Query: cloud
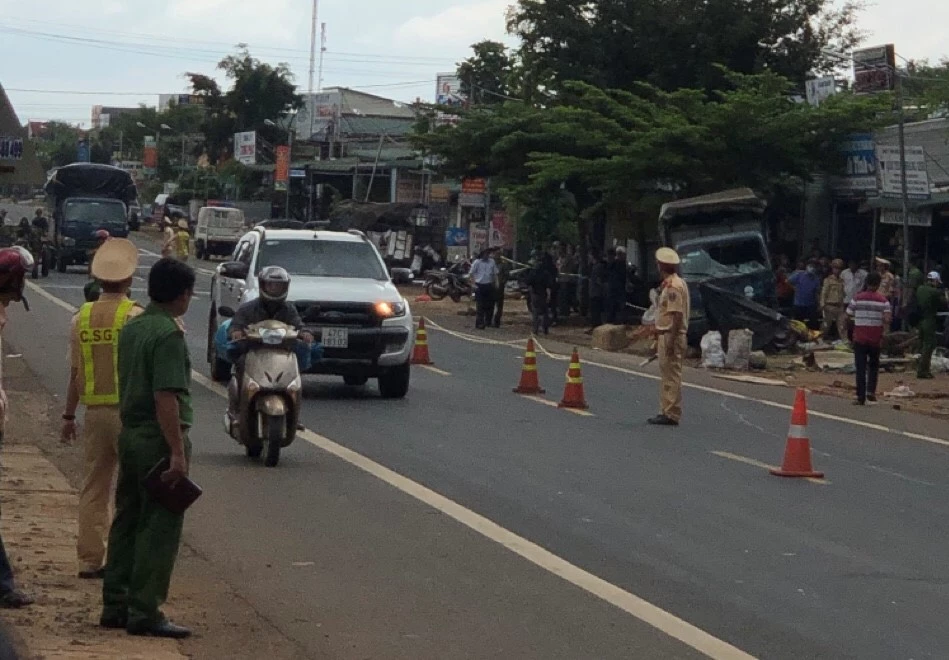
454, 28
237, 20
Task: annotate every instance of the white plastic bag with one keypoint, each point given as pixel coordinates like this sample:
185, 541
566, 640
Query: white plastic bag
713, 355
739, 350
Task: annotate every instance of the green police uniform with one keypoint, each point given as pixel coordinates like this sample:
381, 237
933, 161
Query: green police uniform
930, 300
144, 539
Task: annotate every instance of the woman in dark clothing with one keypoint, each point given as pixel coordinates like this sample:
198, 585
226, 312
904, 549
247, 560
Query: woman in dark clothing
597, 289
539, 281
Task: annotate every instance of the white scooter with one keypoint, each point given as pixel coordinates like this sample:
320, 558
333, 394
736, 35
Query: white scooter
268, 404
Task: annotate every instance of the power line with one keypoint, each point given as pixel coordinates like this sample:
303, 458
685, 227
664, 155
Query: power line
163, 39
26, 90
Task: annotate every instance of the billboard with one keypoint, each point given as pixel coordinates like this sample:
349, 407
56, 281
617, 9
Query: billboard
502, 234
281, 167
820, 89
858, 154
874, 69
922, 218
319, 116
245, 147
448, 93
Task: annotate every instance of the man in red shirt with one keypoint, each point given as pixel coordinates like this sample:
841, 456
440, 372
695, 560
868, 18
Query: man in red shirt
870, 312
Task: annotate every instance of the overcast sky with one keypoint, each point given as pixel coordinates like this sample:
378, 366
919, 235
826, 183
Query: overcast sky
129, 51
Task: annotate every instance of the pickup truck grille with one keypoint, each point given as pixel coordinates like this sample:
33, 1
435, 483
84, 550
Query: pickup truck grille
328, 314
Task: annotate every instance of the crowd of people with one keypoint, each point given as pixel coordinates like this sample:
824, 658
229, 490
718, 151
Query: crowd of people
552, 281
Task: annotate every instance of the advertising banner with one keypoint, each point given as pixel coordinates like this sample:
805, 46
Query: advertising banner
448, 93
245, 147
916, 218
502, 234
281, 167
479, 238
150, 154
456, 237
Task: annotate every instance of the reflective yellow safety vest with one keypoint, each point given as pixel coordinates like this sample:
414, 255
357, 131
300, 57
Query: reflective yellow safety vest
183, 244
101, 342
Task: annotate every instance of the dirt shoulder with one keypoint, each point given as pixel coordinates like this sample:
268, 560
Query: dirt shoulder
38, 492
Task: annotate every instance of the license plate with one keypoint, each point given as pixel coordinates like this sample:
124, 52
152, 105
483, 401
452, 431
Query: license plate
335, 338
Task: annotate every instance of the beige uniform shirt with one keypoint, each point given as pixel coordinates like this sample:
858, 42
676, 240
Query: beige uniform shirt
104, 368
673, 297
832, 292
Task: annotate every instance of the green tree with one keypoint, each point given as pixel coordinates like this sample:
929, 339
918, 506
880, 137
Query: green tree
489, 75
676, 44
58, 145
258, 92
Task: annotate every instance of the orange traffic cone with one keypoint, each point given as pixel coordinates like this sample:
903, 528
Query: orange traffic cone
420, 352
529, 383
797, 453
573, 391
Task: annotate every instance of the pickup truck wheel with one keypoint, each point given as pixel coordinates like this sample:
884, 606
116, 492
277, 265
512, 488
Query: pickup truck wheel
394, 382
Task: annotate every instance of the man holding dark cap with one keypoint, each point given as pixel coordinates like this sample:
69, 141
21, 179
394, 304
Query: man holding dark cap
94, 339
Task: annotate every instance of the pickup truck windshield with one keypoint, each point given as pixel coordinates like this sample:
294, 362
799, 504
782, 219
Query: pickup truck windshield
714, 260
323, 259
95, 213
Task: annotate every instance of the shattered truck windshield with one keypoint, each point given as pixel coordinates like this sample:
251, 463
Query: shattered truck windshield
723, 259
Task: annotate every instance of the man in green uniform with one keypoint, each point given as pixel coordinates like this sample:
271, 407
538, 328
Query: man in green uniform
155, 407
930, 299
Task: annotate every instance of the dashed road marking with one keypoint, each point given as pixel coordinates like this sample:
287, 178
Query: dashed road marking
554, 404
434, 370
638, 608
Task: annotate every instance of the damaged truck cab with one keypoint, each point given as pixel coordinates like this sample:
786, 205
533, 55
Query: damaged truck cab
721, 240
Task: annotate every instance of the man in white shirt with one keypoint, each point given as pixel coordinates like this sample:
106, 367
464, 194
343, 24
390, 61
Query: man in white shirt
484, 276
855, 280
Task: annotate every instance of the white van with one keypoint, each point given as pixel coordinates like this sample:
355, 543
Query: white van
218, 231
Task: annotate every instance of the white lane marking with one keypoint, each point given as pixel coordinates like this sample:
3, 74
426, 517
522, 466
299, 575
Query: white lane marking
738, 458
554, 404
633, 605
434, 370
695, 386
149, 253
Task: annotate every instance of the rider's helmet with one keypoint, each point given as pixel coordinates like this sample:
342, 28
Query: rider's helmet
15, 263
101, 236
274, 284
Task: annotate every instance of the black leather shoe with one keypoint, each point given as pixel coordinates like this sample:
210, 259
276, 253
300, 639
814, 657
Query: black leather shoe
162, 629
14, 600
662, 420
113, 622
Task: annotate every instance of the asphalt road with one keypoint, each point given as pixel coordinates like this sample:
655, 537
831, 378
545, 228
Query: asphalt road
350, 566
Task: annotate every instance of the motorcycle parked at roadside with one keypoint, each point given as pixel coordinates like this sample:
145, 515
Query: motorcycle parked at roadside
267, 408
452, 282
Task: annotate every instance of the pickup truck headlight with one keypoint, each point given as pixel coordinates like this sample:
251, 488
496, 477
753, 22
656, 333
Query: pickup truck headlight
390, 310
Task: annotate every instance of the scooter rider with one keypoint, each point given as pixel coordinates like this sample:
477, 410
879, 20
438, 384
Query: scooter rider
273, 285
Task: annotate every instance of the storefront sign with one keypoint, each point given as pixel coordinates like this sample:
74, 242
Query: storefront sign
11, 148
874, 69
859, 167
916, 218
917, 172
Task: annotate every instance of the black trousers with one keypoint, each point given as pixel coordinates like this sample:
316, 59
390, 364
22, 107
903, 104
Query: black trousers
867, 363
484, 296
498, 306
553, 307
596, 312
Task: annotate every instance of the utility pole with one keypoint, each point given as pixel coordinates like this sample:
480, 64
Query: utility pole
319, 79
904, 191
311, 106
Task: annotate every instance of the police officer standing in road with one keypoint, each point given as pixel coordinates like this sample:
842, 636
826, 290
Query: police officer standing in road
154, 371
93, 382
672, 323
183, 241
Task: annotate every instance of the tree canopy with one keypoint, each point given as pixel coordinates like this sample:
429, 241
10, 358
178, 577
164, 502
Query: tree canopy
259, 92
